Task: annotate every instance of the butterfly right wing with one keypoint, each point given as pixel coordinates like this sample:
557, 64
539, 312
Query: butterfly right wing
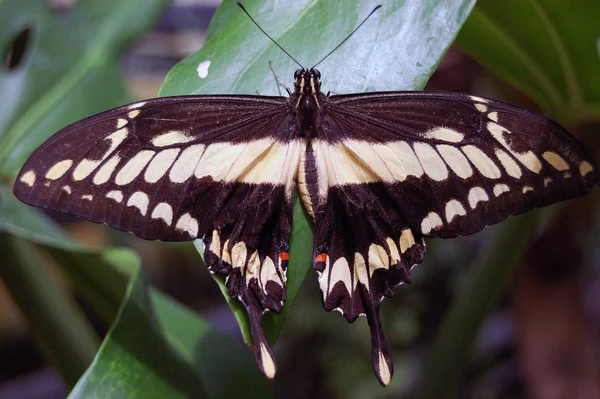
219, 168
388, 169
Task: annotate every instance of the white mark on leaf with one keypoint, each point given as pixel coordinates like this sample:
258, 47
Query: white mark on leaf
203, 69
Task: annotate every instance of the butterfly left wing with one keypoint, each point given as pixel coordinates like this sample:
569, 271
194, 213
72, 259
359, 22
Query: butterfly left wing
219, 168
392, 168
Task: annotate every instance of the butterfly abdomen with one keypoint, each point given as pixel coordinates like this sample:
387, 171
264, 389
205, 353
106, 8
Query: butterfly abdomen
308, 182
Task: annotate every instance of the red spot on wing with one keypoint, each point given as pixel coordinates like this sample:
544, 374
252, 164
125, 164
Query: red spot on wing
284, 256
321, 258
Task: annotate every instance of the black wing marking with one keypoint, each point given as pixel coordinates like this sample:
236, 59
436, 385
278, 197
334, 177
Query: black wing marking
219, 168
395, 167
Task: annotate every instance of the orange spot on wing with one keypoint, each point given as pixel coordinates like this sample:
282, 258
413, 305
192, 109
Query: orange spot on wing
284, 256
321, 258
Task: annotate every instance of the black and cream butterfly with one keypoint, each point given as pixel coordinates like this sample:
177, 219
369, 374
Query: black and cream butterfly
378, 172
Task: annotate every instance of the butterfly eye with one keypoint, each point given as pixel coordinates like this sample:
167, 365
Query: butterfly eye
316, 73
298, 73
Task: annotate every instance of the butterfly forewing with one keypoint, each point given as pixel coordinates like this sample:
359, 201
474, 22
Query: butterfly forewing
454, 163
139, 167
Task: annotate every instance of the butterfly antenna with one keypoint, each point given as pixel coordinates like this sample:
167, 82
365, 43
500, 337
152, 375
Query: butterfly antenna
267, 35
348, 37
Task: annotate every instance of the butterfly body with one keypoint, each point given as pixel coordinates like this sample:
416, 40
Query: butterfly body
378, 172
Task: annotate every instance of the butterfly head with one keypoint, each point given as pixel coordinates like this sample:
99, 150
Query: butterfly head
307, 82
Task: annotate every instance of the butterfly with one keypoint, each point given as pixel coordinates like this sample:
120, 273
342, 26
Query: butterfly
378, 172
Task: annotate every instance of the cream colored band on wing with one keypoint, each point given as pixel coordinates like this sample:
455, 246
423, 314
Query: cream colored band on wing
255, 162
356, 162
259, 161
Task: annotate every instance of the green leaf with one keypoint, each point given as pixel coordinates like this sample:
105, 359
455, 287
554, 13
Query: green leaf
44, 303
216, 357
159, 348
26, 222
69, 71
397, 49
99, 276
135, 360
101, 285
546, 48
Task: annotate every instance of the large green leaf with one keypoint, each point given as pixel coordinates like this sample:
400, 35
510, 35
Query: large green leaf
399, 52
216, 357
89, 270
69, 70
26, 222
159, 348
546, 48
397, 49
136, 360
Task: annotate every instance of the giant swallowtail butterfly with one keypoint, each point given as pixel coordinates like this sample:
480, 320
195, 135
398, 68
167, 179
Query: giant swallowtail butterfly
378, 172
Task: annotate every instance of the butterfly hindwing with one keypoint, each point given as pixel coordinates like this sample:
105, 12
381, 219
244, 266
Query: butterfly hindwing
363, 249
175, 169
392, 168
249, 247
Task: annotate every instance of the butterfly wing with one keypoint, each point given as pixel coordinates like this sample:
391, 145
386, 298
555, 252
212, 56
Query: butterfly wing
219, 168
467, 161
395, 167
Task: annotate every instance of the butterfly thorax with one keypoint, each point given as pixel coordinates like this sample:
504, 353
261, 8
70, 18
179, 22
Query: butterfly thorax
307, 99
